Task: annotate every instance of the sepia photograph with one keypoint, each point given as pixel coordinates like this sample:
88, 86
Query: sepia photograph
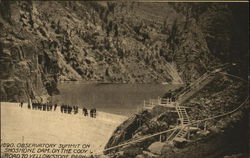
124, 79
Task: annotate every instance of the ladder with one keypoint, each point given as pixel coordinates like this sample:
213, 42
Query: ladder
184, 118
182, 133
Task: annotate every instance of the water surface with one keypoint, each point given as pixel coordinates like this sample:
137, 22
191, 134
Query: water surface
121, 99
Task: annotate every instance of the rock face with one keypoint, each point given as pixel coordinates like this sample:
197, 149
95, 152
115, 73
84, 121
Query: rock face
45, 42
142, 124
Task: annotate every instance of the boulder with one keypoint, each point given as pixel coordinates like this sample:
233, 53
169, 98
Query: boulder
156, 147
203, 133
140, 156
132, 151
179, 142
149, 154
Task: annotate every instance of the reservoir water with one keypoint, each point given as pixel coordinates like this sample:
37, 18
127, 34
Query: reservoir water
122, 99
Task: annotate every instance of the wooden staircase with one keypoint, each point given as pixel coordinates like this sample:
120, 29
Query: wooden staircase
184, 128
182, 133
195, 87
184, 119
183, 116
185, 123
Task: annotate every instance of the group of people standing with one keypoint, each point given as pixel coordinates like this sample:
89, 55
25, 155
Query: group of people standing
69, 109
40, 106
92, 112
64, 108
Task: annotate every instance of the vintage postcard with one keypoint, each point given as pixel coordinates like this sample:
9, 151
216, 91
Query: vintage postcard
124, 79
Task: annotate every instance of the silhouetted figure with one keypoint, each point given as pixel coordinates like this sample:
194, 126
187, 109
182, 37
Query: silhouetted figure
91, 112
39, 106
85, 111
69, 109
55, 106
21, 104
35, 105
94, 112
65, 108
61, 108
173, 99
75, 109
44, 107
50, 106
29, 106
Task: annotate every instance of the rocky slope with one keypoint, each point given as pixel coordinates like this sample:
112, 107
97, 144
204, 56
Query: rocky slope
43, 42
215, 138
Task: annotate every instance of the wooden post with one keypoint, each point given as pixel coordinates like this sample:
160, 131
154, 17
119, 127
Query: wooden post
205, 126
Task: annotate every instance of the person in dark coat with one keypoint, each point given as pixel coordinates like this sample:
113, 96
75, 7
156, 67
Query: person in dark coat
44, 106
75, 109
50, 106
85, 111
65, 108
55, 107
94, 112
91, 112
21, 104
39, 106
62, 108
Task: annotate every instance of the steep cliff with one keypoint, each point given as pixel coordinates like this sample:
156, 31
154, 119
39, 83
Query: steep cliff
46, 42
